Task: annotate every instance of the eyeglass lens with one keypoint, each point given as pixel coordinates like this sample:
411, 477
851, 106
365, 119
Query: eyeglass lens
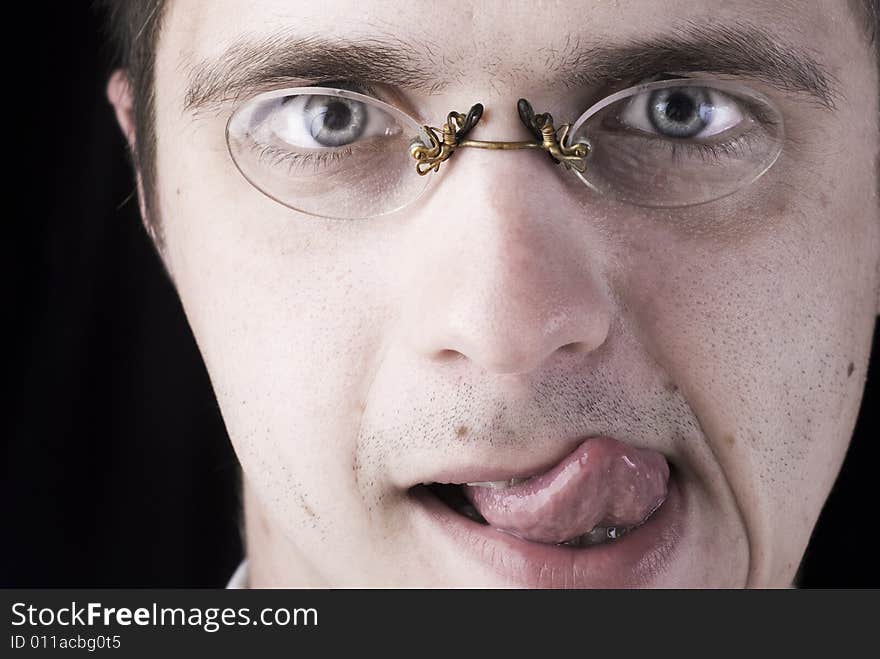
341, 154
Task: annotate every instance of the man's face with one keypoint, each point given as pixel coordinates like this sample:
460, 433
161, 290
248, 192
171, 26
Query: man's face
488, 329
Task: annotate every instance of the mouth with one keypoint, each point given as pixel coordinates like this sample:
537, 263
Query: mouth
452, 496
607, 515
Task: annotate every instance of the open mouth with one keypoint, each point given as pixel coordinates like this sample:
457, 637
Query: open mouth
606, 515
598, 493
453, 496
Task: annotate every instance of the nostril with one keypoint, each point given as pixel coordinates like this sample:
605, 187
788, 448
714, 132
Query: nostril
448, 355
574, 347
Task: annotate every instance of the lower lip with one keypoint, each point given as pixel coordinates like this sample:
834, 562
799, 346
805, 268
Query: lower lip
638, 559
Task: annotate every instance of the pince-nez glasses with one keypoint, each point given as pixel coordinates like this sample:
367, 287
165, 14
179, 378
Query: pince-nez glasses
343, 154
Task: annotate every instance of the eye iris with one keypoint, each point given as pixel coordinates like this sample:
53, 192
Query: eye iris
679, 112
335, 121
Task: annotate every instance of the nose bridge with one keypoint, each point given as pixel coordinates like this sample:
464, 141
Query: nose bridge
499, 271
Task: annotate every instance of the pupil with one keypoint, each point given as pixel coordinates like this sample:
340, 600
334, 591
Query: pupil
337, 117
680, 113
679, 108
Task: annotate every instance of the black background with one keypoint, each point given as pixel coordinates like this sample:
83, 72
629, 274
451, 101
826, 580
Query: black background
118, 470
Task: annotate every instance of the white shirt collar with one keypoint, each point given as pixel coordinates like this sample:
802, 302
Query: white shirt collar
239, 580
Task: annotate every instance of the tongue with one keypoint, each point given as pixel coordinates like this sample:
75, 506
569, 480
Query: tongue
602, 483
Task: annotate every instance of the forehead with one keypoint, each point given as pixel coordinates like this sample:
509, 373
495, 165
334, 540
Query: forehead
493, 37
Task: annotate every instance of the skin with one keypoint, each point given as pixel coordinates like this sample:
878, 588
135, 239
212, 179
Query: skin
492, 322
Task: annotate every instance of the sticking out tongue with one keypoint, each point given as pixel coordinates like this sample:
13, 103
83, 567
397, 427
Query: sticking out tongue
602, 483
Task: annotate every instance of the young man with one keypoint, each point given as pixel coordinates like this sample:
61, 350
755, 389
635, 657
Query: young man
635, 359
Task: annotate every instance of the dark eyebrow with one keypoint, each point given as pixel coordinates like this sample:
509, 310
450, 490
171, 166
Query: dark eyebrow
740, 49
248, 67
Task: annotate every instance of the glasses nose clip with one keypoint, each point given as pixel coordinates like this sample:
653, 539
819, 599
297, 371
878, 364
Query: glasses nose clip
443, 142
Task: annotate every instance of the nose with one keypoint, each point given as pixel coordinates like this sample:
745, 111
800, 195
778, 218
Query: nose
503, 268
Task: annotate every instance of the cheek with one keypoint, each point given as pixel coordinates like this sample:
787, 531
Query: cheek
762, 331
285, 312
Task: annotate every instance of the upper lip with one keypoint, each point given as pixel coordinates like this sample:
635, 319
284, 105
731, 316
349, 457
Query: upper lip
467, 472
502, 465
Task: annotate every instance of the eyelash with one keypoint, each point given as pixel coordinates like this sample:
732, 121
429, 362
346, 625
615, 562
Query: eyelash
717, 151
733, 146
274, 156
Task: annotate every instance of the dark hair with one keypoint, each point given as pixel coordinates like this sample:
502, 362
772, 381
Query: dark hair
870, 10
133, 28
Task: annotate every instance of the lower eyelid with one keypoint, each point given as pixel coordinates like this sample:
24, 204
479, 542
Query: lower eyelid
277, 157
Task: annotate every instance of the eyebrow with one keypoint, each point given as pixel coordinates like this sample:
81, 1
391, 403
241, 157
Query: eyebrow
740, 49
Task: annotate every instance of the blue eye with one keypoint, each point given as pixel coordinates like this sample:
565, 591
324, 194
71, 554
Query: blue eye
330, 121
318, 121
682, 112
